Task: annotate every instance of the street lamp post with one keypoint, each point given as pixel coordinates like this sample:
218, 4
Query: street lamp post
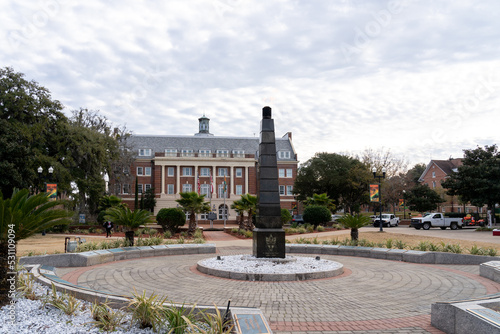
404, 204
379, 178
41, 177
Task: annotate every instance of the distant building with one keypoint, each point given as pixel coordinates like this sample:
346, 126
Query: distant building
435, 173
202, 163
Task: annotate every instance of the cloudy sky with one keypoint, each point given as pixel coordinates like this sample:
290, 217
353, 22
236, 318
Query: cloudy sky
418, 78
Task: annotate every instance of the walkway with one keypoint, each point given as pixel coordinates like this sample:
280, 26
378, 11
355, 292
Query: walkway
372, 296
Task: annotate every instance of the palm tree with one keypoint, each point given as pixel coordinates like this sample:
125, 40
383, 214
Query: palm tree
193, 203
22, 216
354, 223
131, 220
240, 207
250, 205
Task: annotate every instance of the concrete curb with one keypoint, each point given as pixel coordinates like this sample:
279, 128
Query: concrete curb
404, 255
92, 258
45, 275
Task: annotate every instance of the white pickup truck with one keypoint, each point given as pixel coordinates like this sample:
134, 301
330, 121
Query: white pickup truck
436, 220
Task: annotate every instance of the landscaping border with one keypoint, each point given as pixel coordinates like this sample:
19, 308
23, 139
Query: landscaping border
412, 256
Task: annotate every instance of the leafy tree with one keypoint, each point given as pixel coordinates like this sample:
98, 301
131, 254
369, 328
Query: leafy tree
149, 202
194, 204
478, 179
286, 216
321, 199
119, 172
20, 217
344, 179
422, 198
88, 163
414, 174
316, 215
171, 219
31, 132
105, 203
354, 222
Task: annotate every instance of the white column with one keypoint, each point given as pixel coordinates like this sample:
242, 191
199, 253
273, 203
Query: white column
231, 179
178, 181
246, 180
162, 180
195, 187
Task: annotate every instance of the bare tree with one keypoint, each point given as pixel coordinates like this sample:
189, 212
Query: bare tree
384, 158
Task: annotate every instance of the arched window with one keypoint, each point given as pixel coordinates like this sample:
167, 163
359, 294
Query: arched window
223, 210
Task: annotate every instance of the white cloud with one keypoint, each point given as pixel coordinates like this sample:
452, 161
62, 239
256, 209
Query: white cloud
342, 76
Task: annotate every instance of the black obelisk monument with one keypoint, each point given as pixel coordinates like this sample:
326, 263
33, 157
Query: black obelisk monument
268, 234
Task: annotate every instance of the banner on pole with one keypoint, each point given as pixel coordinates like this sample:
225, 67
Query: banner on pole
374, 193
52, 191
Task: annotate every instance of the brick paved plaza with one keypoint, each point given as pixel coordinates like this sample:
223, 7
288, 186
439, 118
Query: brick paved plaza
372, 296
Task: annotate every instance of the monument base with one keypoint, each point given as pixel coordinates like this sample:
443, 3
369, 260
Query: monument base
269, 242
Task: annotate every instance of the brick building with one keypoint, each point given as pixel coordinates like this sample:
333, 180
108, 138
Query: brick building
435, 173
201, 163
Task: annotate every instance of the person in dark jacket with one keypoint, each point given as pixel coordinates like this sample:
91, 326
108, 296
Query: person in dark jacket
108, 226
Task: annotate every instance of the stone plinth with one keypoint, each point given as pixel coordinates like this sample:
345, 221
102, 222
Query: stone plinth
269, 242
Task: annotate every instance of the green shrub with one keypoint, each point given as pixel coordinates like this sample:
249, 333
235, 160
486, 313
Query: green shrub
179, 319
388, 243
198, 234
310, 229
147, 311
171, 219
248, 234
476, 250
286, 216
320, 228
198, 241
167, 235
180, 240
400, 244
422, 246
105, 318
301, 230
491, 252
484, 229
66, 303
316, 215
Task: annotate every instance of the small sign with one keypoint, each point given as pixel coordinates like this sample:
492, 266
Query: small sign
212, 216
251, 324
487, 314
81, 219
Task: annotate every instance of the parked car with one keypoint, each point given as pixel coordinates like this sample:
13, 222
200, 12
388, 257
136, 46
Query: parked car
297, 219
335, 217
388, 220
436, 220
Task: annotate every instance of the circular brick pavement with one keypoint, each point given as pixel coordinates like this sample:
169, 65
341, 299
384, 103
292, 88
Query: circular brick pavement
378, 296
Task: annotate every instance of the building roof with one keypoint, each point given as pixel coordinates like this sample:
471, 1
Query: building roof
250, 145
447, 166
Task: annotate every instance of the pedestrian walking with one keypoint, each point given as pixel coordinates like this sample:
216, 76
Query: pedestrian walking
108, 226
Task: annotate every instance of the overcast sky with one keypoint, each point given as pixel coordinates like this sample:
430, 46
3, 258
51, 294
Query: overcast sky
418, 78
